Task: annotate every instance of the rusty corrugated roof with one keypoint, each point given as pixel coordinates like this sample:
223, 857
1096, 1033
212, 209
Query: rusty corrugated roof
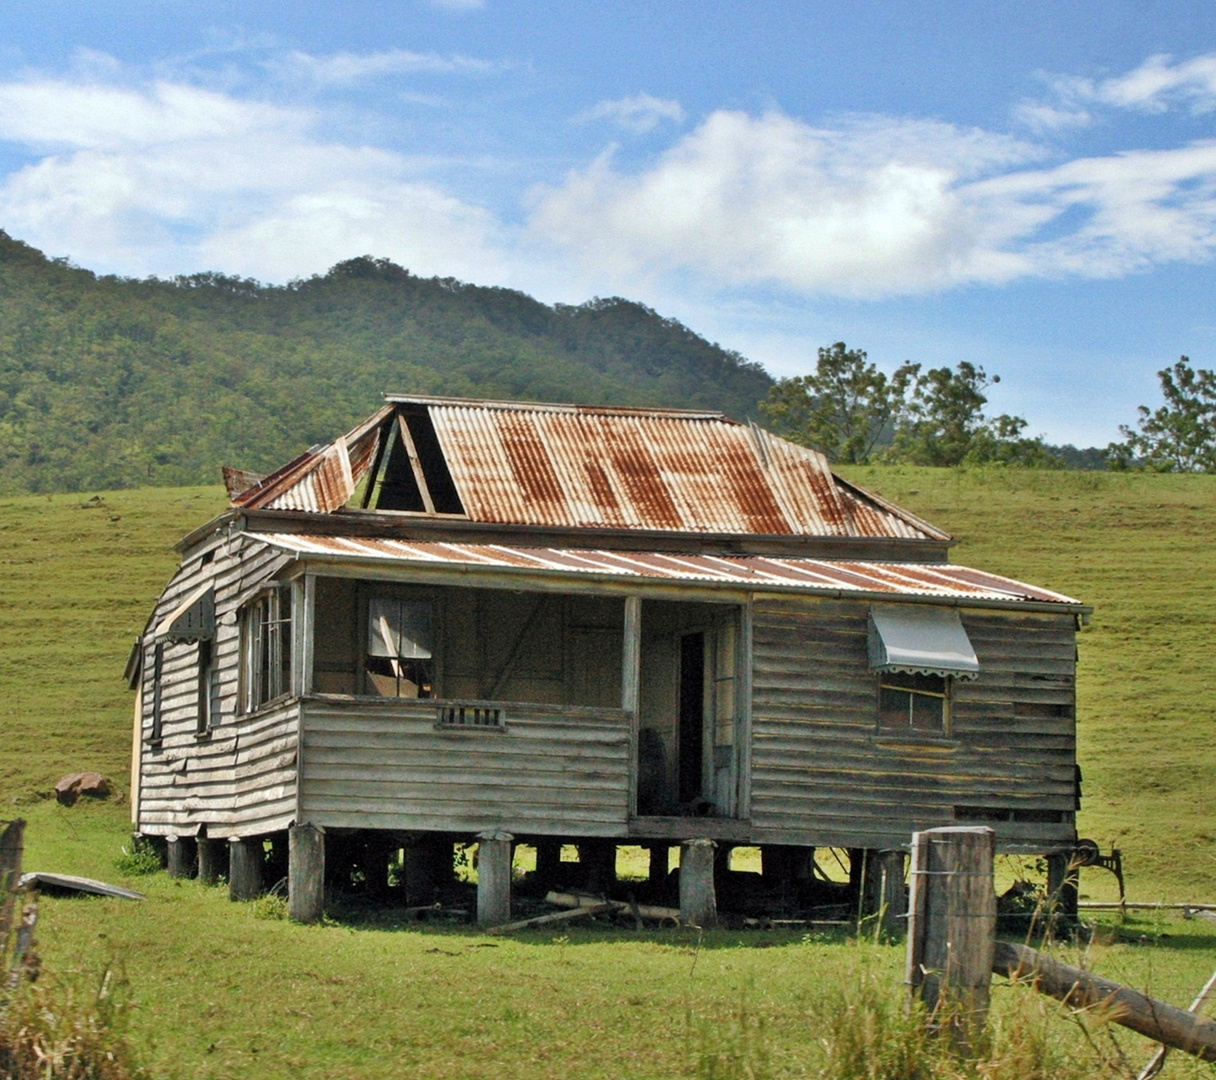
752, 572
583, 467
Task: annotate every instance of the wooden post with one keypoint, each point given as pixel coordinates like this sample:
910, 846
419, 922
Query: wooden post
631, 681
952, 927
659, 867
884, 896
1063, 879
212, 860
598, 860
493, 878
181, 865
1079, 989
698, 901
428, 866
245, 868
10, 873
305, 873
548, 862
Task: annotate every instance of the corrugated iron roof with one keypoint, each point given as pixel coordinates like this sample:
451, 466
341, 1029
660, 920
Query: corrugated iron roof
583, 467
752, 572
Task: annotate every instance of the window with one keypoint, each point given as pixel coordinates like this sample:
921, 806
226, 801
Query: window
913, 702
208, 713
158, 667
400, 648
266, 649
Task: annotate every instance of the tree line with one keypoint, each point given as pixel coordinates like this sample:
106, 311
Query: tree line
857, 414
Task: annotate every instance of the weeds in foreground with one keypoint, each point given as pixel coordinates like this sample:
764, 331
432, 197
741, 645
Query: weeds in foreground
871, 1032
62, 1029
140, 859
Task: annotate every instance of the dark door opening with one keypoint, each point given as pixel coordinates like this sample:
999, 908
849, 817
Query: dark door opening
692, 717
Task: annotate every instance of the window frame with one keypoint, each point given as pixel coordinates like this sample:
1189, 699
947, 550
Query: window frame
267, 649
428, 664
208, 704
889, 682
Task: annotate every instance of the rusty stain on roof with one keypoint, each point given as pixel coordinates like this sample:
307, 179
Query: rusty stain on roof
583, 467
754, 572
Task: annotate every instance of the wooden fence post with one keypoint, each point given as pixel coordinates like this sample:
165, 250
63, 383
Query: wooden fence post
10, 874
952, 928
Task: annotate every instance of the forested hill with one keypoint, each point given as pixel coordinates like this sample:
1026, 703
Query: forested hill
109, 382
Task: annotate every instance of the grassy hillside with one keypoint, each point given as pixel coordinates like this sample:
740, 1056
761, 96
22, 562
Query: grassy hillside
220, 992
110, 383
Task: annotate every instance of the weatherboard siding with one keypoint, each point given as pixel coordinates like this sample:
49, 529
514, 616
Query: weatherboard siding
375, 765
823, 774
239, 780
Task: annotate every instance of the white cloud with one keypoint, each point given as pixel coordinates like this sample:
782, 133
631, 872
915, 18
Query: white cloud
345, 68
638, 114
1158, 82
879, 207
170, 178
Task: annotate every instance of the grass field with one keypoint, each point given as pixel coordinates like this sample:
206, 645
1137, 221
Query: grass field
221, 992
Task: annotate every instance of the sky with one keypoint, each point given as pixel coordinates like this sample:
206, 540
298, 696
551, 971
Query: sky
1030, 187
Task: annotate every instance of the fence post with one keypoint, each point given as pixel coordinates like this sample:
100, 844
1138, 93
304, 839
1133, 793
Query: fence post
952, 928
10, 873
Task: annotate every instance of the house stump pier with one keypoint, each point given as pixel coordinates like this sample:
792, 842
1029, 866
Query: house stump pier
305, 873
493, 878
1063, 880
180, 857
698, 900
245, 858
212, 860
428, 867
548, 862
885, 896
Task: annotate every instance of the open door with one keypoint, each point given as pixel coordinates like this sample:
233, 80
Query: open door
688, 758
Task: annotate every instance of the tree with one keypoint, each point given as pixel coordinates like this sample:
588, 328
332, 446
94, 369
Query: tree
843, 409
1180, 436
943, 423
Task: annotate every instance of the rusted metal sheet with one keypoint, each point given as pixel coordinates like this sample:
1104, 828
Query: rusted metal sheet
579, 467
954, 583
321, 479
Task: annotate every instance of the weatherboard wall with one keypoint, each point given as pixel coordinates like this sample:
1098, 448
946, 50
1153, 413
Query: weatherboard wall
558, 770
239, 779
823, 774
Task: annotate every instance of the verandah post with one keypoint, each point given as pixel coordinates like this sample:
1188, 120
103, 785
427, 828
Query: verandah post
952, 927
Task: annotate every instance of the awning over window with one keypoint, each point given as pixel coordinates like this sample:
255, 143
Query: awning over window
192, 620
921, 639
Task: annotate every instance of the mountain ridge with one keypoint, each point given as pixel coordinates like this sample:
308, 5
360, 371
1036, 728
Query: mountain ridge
110, 382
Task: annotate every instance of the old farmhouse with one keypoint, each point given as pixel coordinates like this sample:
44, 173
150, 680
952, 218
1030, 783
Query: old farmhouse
504, 623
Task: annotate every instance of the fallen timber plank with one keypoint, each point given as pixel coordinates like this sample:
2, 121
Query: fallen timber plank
1166, 1024
556, 917
1115, 905
645, 911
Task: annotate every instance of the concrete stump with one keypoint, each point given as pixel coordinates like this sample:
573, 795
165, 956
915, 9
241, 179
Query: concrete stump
493, 878
305, 873
245, 859
181, 857
698, 900
212, 860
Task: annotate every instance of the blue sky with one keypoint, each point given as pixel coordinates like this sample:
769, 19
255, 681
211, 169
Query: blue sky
1029, 186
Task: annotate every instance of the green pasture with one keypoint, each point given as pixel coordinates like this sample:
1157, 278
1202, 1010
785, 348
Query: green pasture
227, 990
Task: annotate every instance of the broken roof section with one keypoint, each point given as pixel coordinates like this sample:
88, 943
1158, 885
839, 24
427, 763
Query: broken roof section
578, 467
